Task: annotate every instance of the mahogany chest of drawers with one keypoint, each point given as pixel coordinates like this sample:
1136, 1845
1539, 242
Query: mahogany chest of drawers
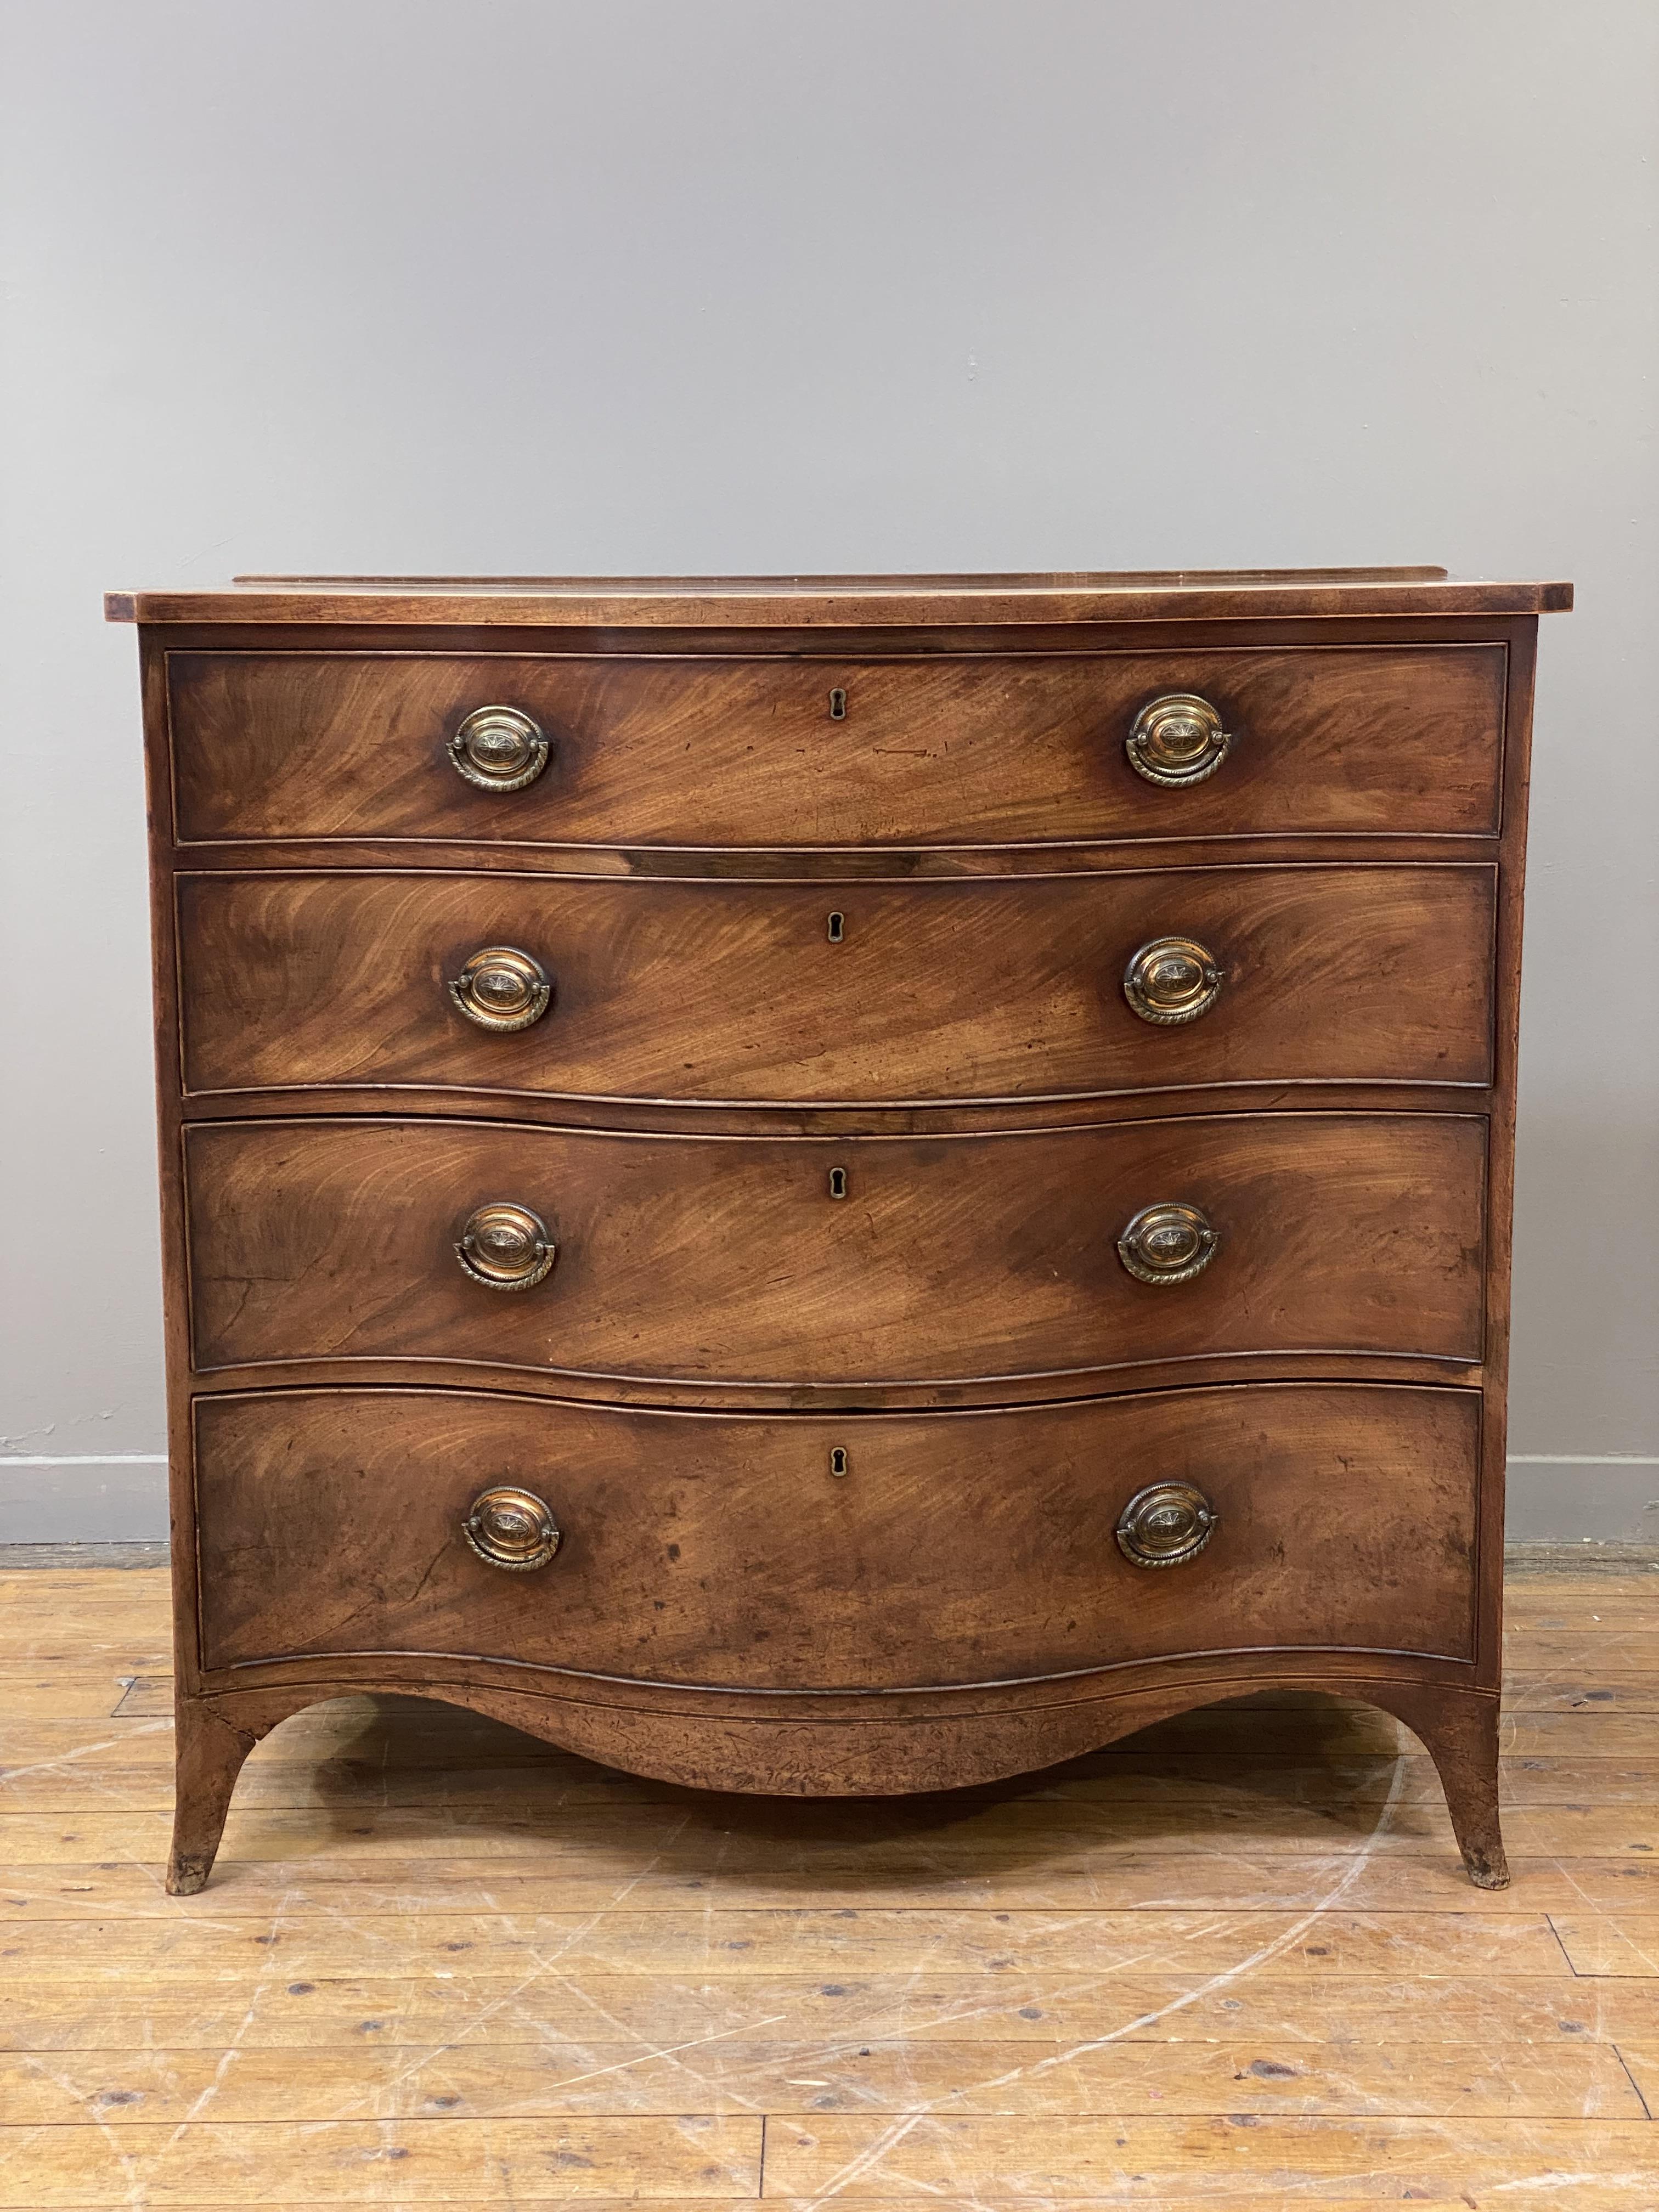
839, 1185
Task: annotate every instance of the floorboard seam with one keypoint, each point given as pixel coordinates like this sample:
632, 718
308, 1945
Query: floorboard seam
1631, 2079
1549, 1922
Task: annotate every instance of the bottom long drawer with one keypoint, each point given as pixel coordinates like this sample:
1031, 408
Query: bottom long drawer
804, 1553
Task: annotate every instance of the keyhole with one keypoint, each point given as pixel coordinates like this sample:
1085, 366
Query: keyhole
837, 1182
838, 1461
837, 927
838, 705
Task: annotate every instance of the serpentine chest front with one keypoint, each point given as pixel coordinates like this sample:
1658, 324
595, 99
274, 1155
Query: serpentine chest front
838, 1187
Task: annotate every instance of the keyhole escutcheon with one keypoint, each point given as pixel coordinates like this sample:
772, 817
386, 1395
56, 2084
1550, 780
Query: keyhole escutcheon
838, 705
837, 1182
837, 928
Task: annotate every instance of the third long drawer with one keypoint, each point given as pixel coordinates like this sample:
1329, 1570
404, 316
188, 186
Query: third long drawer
813, 1262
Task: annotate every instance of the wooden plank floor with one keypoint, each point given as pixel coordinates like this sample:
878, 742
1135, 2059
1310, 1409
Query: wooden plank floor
1232, 1962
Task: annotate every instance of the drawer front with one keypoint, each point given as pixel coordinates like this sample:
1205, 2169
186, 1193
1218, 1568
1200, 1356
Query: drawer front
981, 749
956, 1548
728, 1261
849, 993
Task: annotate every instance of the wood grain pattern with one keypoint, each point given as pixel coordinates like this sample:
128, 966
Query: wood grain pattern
938, 991
700, 1550
692, 2157
755, 1946
974, 749
538, 2001
1098, 2157
578, 2078
726, 1260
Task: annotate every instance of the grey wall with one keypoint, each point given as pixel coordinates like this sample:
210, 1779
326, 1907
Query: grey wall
819, 284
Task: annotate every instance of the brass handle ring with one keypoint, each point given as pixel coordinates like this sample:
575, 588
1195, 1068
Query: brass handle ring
502, 988
499, 748
512, 1529
1173, 979
1169, 1243
1177, 739
505, 1248
1166, 1525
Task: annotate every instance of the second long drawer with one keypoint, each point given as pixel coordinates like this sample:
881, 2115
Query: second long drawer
838, 992
819, 1262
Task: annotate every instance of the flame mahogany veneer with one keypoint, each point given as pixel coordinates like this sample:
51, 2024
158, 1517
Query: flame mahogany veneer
691, 1225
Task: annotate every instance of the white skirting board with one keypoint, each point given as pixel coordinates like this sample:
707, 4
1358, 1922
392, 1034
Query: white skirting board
120, 1500
1611, 1498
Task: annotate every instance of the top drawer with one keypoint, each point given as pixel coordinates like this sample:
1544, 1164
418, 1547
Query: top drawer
969, 750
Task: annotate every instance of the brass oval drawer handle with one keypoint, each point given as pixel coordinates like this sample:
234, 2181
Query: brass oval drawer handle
502, 988
1169, 1243
1165, 1525
499, 748
1173, 979
507, 1248
512, 1529
1177, 739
